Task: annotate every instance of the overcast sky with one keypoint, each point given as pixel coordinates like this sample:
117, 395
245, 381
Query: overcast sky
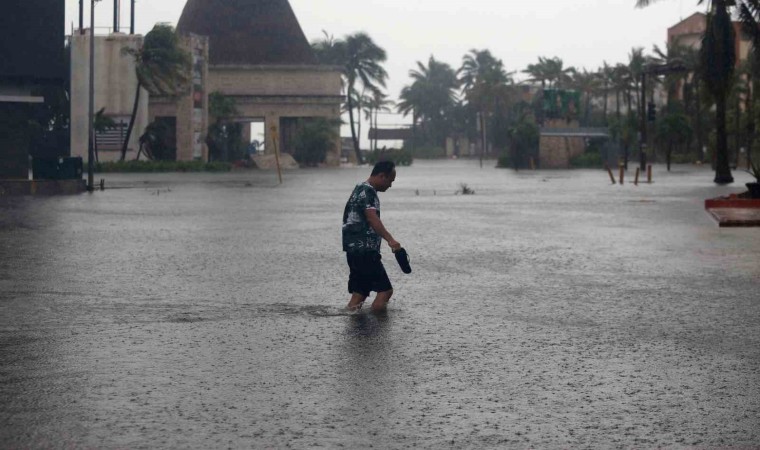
583, 33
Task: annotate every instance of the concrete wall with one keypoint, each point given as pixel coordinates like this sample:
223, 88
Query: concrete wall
115, 84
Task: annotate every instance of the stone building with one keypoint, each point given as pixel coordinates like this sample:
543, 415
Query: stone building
259, 56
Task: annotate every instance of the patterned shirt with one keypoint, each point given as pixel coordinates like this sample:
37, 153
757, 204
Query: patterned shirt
358, 235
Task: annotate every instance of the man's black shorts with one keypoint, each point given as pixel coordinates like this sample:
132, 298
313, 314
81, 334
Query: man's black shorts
367, 273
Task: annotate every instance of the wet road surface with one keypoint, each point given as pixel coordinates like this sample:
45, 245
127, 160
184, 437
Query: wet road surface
550, 309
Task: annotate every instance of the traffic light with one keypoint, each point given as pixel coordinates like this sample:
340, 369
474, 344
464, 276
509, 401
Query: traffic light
651, 112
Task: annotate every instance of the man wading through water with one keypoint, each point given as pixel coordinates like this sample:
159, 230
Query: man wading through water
362, 233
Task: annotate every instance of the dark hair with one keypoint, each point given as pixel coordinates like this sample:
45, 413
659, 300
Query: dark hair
385, 167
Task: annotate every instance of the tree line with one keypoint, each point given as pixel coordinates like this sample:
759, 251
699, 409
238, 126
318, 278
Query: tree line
711, 100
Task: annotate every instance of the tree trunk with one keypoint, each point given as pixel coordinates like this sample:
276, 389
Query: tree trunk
125, 144
353, 129
722, 169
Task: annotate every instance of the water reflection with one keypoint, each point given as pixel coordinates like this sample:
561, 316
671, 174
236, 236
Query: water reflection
367, 369
368, 324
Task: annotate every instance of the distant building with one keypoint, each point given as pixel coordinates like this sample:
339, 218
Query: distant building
689, 32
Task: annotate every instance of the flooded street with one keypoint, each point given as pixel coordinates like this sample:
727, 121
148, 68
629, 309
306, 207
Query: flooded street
550, 309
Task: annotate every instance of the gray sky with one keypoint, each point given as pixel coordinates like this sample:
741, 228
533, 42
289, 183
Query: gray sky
583, 33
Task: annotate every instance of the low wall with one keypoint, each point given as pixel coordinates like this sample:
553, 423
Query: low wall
41, 187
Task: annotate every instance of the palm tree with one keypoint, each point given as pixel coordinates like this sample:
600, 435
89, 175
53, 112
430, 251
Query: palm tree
363, 64
486, 85
620, 84
557, 75
163, 68
636, 62
537, 73
605, 76
718, 57
587, 83
431, 97
330, 51
673, 53
673, 129
378, 103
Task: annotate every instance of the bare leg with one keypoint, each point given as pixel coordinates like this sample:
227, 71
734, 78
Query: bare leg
381, 300
356, 301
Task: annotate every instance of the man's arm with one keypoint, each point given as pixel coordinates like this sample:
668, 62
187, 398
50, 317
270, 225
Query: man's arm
377, 225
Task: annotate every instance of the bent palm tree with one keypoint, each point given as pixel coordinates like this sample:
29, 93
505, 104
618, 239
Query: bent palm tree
432, 95
162, 68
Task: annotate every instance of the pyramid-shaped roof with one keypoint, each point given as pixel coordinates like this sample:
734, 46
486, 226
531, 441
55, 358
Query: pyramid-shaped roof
248, 32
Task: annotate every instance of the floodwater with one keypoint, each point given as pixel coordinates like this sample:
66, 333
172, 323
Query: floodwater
550, 309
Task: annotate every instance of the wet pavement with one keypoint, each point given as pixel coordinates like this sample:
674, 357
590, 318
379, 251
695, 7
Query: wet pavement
550, 309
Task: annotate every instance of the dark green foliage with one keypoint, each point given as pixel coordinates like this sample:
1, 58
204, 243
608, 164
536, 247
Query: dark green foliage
430, 99
524, 144
587, 160
402, 157
224, 139
158, 142
314, 140
162, 67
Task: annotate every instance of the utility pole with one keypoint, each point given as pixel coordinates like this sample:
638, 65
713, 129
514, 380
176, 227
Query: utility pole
91, 114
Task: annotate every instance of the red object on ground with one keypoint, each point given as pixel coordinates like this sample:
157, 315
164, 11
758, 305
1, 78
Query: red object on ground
734, 211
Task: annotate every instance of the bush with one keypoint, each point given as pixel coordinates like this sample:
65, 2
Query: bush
161, 166
587, 161
504, 161
314, 139
401, 157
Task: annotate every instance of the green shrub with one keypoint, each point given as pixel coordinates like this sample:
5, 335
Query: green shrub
587, 160
314, 139
161, 166
401, 157
504, 161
